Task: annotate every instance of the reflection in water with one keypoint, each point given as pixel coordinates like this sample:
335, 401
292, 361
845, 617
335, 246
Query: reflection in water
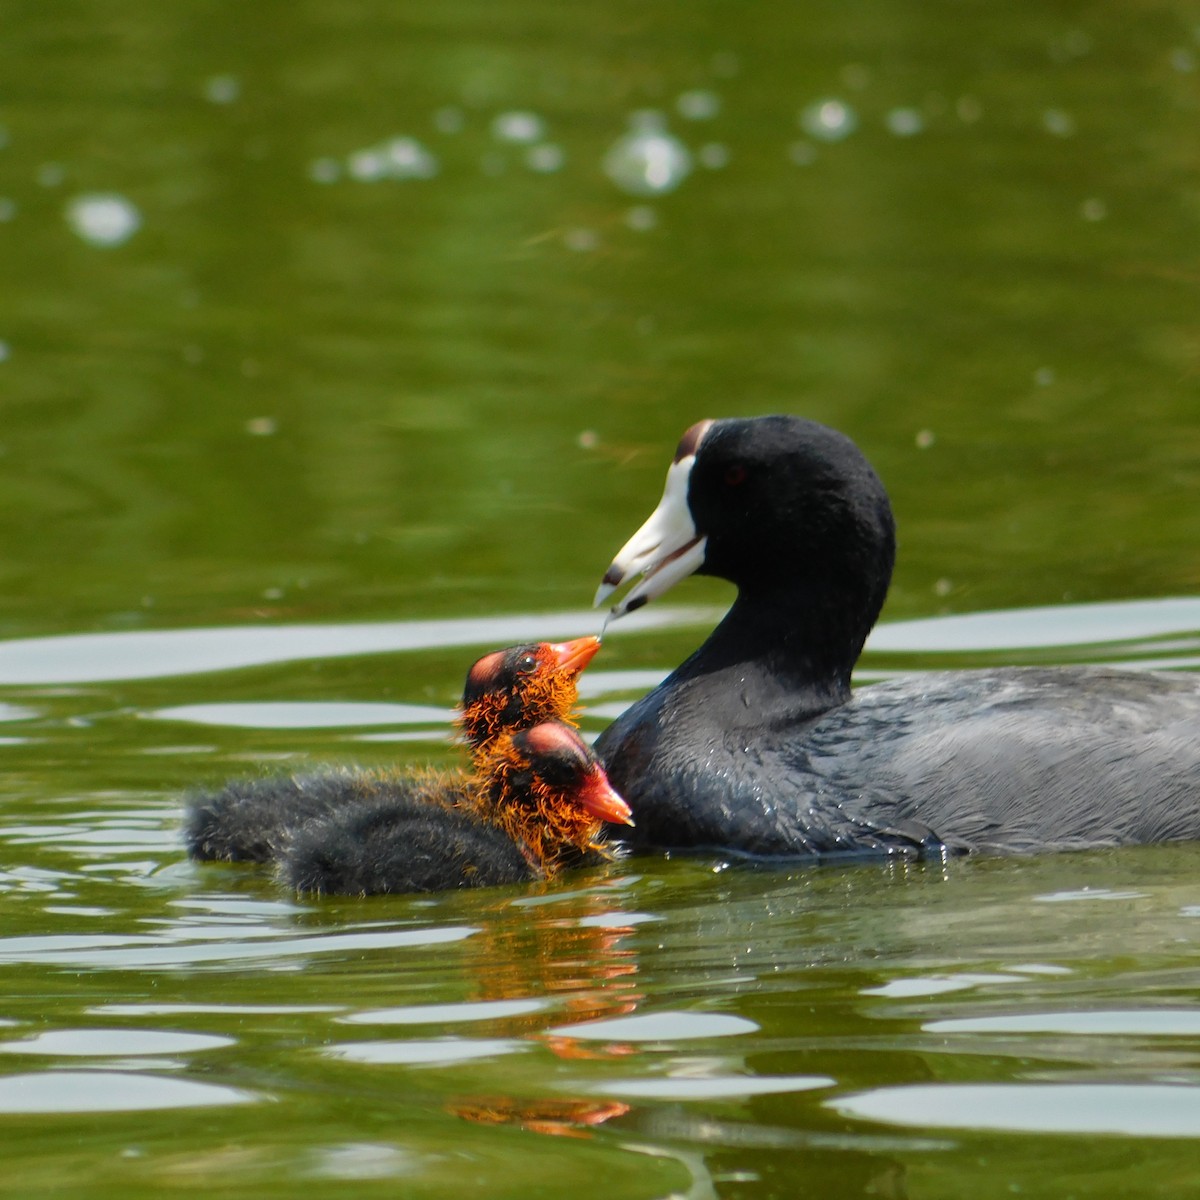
361, 1160
1149, 1022
92, 658
659, 1027
110, 1091
445, 1014
554, 950
1135, 1110
700, 1086
558, 950
1141, 633
294, 714
560, 1118
425, 1051
172, 950
105, 1043
1057, 627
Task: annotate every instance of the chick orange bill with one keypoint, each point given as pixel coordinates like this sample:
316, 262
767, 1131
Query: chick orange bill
572, 769
573, 656
598, 797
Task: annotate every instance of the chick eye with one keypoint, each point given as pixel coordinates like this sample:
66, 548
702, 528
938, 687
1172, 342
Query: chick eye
735, 475
527, 664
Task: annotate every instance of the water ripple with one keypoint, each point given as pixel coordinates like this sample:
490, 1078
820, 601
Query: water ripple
1136, 1110
105, 1043
159, 654
110, 1091
659, 1027
430, 1051
136, 953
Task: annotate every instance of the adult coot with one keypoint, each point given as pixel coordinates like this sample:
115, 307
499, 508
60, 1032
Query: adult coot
536, 804
510, 689
756, 743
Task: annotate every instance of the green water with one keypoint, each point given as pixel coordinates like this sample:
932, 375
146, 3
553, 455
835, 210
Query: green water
386, 423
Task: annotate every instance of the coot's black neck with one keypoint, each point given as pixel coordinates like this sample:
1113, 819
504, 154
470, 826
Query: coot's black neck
787, 651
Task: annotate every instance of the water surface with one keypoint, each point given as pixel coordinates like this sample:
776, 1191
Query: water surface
344, 341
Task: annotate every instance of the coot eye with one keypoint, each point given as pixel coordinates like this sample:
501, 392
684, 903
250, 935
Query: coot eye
527, 664
734, 475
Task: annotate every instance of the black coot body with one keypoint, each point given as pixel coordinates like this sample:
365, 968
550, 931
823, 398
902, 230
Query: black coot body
757, 745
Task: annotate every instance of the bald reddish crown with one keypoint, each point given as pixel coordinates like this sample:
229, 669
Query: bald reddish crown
556, 752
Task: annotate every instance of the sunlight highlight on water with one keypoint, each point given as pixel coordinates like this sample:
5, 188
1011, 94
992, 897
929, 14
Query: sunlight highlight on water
829, 120
82, 658
303, 715
103, 219
110, 1091
648, 160
1135, 1110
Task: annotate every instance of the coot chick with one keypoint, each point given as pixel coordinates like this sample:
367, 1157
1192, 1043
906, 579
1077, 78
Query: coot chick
755, 744
505, 690
537, 805
523, 686
248, 819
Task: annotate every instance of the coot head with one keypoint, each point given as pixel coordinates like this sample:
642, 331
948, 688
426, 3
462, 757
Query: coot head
562, 769
547, 791
789, 511
523, 686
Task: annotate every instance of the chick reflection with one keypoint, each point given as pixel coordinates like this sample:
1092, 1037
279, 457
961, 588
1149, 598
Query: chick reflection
558, 1118
571, 949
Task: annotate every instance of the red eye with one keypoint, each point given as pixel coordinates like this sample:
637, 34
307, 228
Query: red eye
735, 475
